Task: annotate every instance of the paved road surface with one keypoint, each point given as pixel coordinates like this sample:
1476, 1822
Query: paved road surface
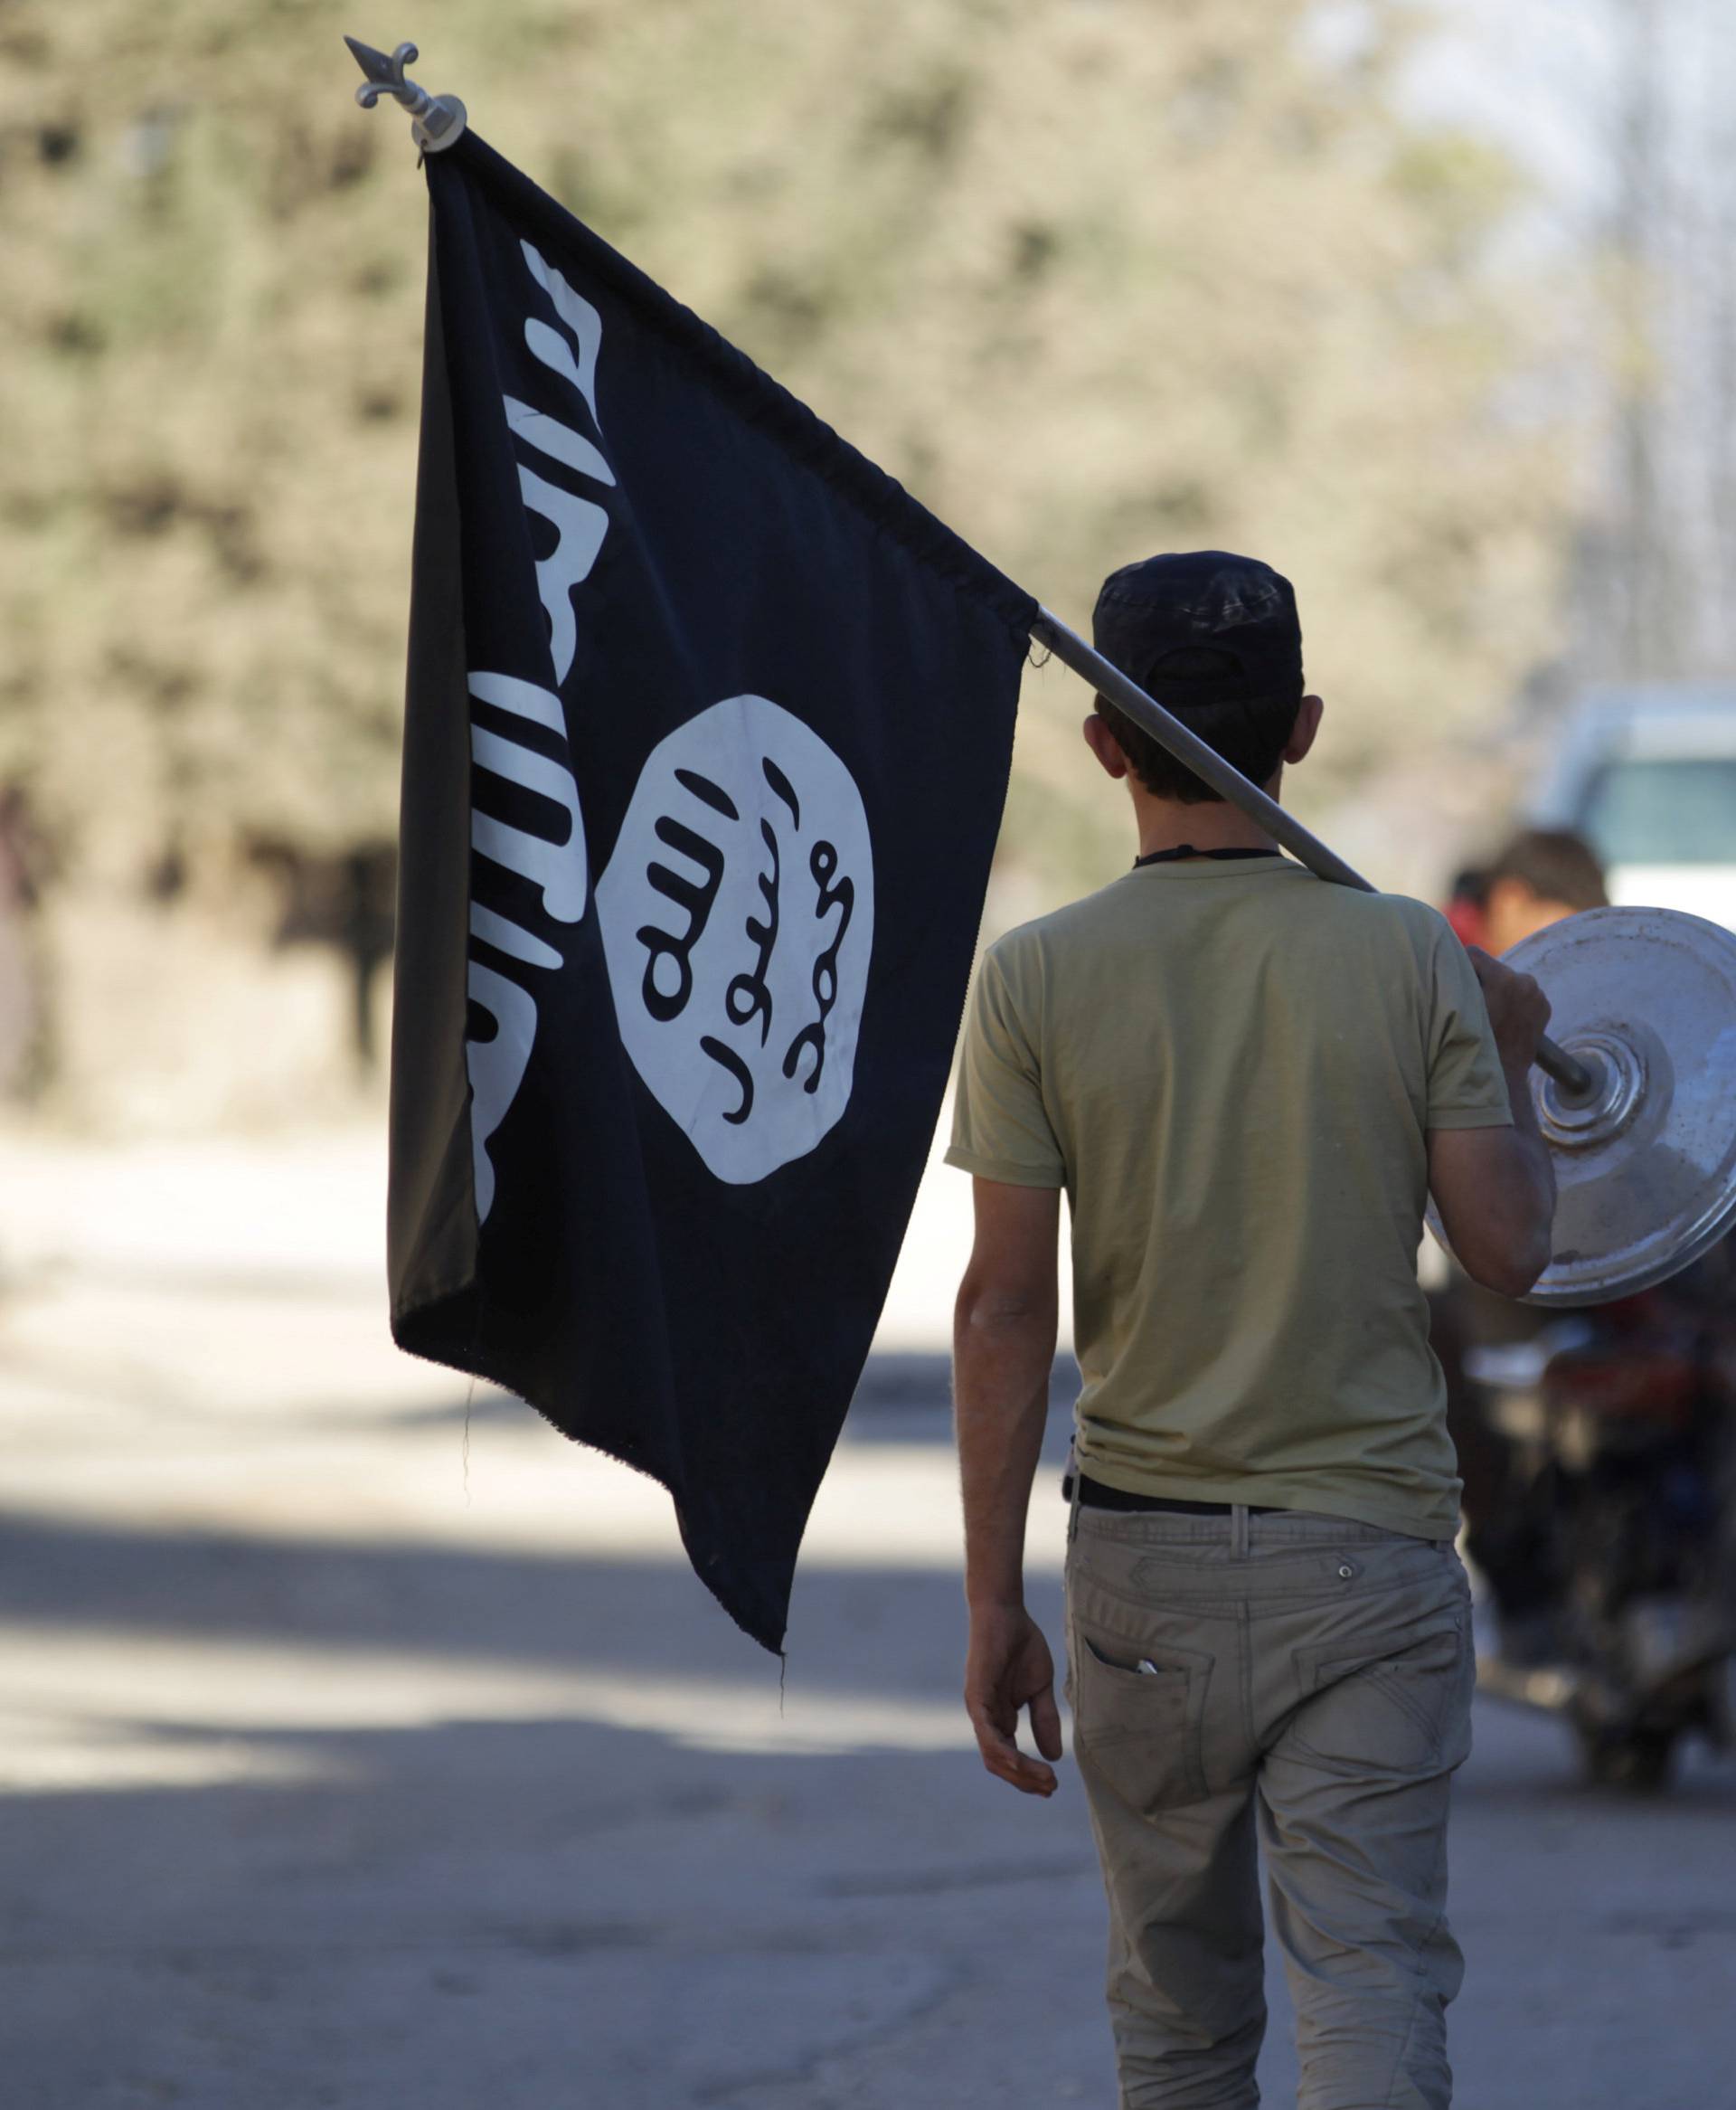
359, 1747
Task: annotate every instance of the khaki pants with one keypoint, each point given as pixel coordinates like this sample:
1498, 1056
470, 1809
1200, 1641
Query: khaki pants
1309, 1684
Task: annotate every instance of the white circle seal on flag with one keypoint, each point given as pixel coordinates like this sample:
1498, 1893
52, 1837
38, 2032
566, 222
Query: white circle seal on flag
737, 919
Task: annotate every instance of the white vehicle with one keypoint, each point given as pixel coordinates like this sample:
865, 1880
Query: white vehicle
1648, 776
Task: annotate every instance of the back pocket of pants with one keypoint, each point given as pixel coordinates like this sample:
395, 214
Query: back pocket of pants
1137, 1731
1399, 1702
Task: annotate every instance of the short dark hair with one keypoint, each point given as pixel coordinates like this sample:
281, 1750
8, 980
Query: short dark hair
1250, 733
1555, 864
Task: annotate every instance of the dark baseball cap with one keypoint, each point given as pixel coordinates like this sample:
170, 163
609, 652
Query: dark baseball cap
1237, 606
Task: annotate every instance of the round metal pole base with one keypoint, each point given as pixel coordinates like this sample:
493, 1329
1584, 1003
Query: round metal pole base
1646, 1163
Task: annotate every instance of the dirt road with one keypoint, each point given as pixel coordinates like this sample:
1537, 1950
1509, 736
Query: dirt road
361, 1746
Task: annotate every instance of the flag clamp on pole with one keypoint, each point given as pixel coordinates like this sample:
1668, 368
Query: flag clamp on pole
435, 120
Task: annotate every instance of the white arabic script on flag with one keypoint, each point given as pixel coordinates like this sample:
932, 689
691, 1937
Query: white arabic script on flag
559, 866
737, 916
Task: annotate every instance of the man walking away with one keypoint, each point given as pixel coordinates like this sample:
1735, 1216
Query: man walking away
1248, 1081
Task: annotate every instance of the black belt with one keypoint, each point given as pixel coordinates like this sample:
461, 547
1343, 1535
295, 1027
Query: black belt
1094, 1495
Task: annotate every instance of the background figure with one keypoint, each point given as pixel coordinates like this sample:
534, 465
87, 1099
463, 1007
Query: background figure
1467, 906
1541, 875
1537, 877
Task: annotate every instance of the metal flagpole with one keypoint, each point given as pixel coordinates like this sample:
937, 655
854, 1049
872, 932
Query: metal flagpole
1647, 996
1577, 1080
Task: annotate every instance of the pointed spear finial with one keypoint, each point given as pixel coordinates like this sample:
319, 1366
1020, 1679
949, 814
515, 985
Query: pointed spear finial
435, 120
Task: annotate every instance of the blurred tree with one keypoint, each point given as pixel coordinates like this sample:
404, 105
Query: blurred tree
1654, 586
1093, 276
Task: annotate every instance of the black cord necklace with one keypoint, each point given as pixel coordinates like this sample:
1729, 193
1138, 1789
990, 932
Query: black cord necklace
1188, 850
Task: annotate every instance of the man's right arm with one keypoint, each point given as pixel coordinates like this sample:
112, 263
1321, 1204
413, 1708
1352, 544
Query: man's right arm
1494, 1187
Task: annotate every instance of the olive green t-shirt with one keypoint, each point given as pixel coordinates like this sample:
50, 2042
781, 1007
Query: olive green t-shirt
1231, 1068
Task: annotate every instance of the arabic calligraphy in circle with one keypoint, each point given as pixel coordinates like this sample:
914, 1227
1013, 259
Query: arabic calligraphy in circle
737, 916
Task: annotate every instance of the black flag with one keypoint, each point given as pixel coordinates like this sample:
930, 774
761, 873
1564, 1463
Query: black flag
708, 733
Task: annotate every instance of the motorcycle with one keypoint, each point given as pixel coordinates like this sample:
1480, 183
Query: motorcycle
1610, 1546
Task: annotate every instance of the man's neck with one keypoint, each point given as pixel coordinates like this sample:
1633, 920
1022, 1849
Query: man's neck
1165, 824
